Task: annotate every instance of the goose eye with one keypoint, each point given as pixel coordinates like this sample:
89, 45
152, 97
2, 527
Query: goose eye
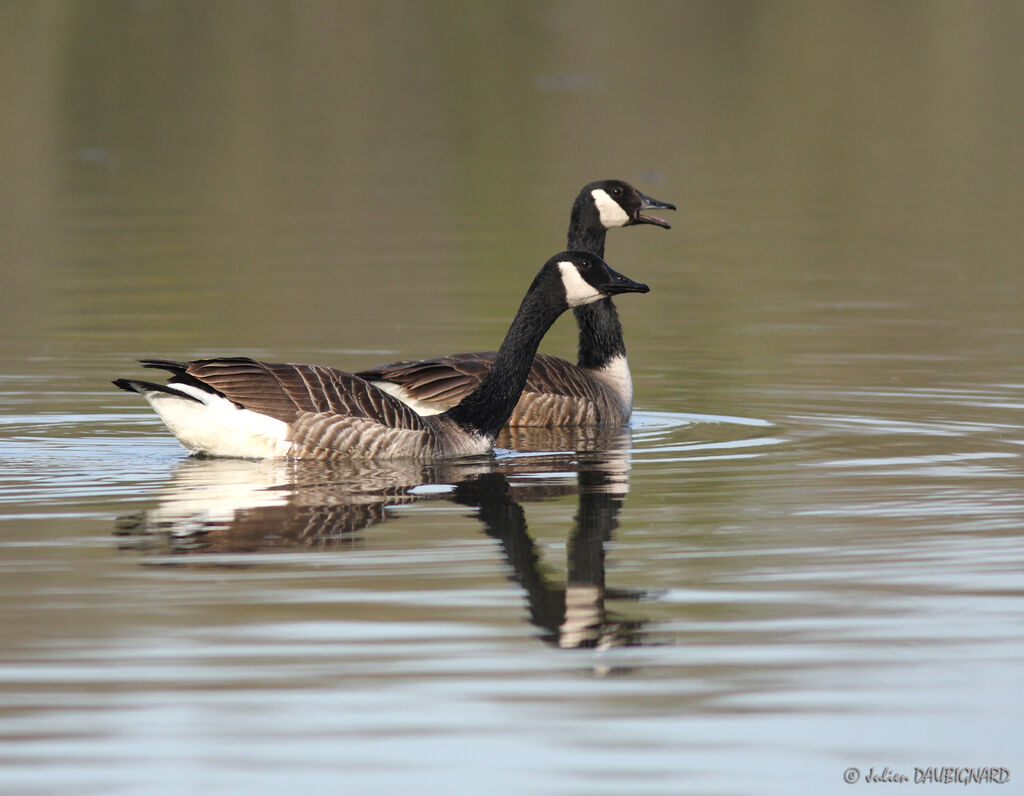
616, 191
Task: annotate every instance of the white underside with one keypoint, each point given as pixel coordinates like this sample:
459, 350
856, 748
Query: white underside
419, 407
216, 427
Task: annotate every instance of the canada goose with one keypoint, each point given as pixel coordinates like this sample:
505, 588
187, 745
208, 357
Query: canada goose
598, 389
237, 406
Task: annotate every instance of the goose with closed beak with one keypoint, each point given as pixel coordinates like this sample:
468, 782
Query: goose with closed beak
240, 407
598, 389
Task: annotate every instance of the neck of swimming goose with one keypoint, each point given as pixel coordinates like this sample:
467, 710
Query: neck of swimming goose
600, 339
489, 407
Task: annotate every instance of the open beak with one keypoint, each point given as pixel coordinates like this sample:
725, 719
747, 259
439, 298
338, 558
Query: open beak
652, 204
623, 284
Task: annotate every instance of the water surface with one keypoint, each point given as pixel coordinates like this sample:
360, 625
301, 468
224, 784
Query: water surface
805, 555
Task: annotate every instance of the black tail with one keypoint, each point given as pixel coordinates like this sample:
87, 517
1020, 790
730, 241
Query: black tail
132, 385
172, 365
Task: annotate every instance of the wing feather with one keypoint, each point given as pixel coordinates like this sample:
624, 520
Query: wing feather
444, 380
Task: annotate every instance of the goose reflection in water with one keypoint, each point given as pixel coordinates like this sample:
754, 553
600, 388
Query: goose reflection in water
246, 506
574, 615
236, 506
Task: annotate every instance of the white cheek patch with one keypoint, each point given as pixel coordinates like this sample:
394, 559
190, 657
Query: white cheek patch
577, 289
612, 214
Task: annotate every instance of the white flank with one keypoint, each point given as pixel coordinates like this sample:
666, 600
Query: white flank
577, 289
612, 214
617, 377
421, 408
217, 427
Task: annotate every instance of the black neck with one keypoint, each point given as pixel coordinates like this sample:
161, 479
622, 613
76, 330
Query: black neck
600, 338
600, 334
490, 405
586, 237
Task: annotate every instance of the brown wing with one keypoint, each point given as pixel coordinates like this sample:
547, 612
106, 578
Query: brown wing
286, 391
558, 377
444, 380
447, 380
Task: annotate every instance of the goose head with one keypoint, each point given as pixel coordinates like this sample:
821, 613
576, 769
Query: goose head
615, 203
586, 278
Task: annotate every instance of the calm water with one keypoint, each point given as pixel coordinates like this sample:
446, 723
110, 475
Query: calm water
804, 556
